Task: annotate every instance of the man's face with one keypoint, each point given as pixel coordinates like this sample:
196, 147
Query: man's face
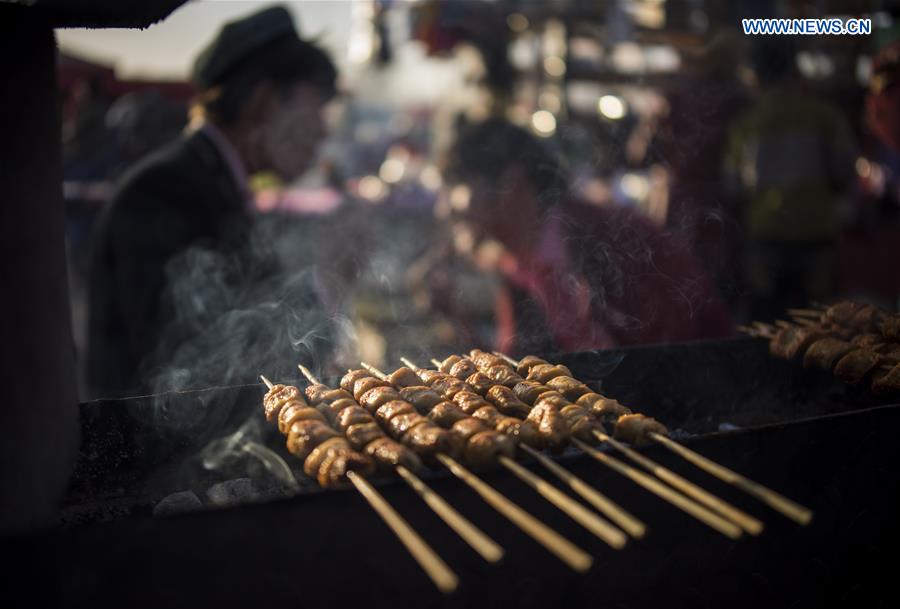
293, 130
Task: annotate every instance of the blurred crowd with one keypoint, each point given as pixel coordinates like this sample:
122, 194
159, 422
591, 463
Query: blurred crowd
282, 215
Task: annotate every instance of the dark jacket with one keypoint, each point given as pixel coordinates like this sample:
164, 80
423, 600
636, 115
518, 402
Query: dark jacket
179, 197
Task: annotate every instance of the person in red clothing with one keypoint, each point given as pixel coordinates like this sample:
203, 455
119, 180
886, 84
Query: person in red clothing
576, 276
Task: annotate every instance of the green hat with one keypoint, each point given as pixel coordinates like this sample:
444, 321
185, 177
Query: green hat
237, 39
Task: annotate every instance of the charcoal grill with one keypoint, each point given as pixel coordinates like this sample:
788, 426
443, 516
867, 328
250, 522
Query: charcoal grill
827, 445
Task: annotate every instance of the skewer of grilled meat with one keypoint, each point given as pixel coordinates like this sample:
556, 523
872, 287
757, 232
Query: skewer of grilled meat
852, 359
327, 456
857, 316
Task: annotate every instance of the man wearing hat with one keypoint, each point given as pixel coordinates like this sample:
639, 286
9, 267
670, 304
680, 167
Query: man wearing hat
262, 91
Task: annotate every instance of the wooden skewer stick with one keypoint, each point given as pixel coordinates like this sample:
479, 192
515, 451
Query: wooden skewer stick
569, 553
803, 321
706, 516
445, 579
580, 514
433, 565
747, 522
603, 504
574, 510
727, 528
408, 363
479, 541
791, 509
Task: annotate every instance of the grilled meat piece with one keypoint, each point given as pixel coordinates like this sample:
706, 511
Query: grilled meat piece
463, 369
402, 423
448, 363
321, 452
842, 313
886, 382
318, 394
569, 387
333, 471
349, 379
582, 423
468, 427
304, 436
544, 372
429, 440
489, 414
504, 375
804, 338
856, 365
361, 386
429, 376
605, 408
376, 397
484, 449
404, 377
551, 425
506, 402
869, 340
388, 454
890, 327
393, 408
553, 398
296, 410
359, 435
485, 360
825, 353
785, 342
469, 401
445, 414
449, 386
332, 410
635, 429
866, 319
528, 391
423, 398
277, 397
527, 363
480, 382
524, 432
352, 415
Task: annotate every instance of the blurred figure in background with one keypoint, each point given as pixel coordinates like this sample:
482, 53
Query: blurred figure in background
790, 161
262, 94
574, 276
692, 138
88, 153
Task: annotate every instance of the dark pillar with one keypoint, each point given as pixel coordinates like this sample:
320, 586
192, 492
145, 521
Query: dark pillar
38, 411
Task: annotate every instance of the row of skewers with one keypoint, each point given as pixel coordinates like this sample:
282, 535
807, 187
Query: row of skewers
485, 410
857, 342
